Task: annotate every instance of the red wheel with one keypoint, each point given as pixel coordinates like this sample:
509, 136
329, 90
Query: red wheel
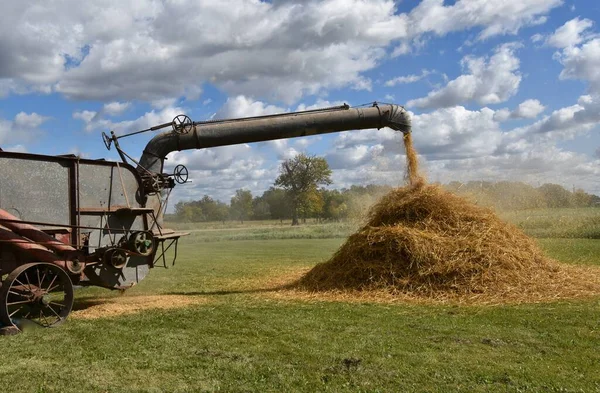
41, 293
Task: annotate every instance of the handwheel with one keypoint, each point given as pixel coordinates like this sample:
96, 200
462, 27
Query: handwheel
107, 140
41, 293
180, 173
182, 124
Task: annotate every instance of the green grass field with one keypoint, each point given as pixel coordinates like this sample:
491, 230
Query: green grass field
238, 338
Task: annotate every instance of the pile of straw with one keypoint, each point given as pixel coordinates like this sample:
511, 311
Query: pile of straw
424, 241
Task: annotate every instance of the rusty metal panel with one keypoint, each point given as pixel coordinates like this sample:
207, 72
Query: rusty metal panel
35, 190
106, 187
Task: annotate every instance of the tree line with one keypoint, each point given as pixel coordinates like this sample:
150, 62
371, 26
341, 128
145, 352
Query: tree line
507, 195
299, 194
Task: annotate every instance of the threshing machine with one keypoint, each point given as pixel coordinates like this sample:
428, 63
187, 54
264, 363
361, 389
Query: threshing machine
66, 220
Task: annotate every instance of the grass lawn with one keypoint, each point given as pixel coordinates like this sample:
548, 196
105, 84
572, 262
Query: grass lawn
240, 339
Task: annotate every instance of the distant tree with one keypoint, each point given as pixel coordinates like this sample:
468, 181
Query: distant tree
312, 205
188, 212
221, 212
581, 198
300, 177
241, 205
555, 195
278, 201
334, 205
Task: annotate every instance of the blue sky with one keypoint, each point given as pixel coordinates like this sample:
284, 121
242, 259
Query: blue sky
503, 90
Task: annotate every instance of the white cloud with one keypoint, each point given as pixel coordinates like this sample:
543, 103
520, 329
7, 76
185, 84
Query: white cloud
241, 106
86, 116
565, 123
403, 49
502, 115
115, 108
407, 78
460, 144
31, 120
94, 121
130, 49
23, 128
488, 81
571, 33
528, 109
581, 62
495, 17
537, 37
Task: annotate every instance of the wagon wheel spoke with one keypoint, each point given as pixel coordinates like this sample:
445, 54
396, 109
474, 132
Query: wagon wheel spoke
17, 293
49, 289
19, 302
47, 301
14, 312
54, 312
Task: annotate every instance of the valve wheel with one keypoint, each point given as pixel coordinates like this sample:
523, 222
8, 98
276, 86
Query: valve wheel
181, 174
182, 124
107, 140
141, 243
36, 294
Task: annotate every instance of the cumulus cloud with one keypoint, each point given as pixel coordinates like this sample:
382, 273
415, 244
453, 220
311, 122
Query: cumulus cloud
26, 120
487, 81
460, 144
571, 33
23, 128
242, 106
131, 50
115, 108
495, 17
407, 78
528, 109
568, 121
581, 62
95, 121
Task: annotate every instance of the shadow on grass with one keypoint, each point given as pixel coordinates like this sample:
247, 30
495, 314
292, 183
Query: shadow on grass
86, 303
83, 304
230, 291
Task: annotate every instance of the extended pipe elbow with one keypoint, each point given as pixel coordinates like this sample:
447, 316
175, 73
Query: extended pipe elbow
398, 119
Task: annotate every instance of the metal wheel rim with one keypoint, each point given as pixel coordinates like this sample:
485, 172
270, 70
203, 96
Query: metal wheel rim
39, 293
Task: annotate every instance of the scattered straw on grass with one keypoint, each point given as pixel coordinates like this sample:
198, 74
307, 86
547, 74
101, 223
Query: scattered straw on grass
123, 305
423, 242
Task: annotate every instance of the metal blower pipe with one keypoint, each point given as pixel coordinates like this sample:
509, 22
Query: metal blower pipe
29, 231
266, 128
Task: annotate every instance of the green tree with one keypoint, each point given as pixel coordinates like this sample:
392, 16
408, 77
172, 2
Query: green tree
335, 207
555, 195
581, 198
300, 177
241, 205
188, 212
213, 210
260, 209
279, 205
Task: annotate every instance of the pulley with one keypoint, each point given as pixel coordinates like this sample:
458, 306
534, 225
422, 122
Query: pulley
141, 242
116, 258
